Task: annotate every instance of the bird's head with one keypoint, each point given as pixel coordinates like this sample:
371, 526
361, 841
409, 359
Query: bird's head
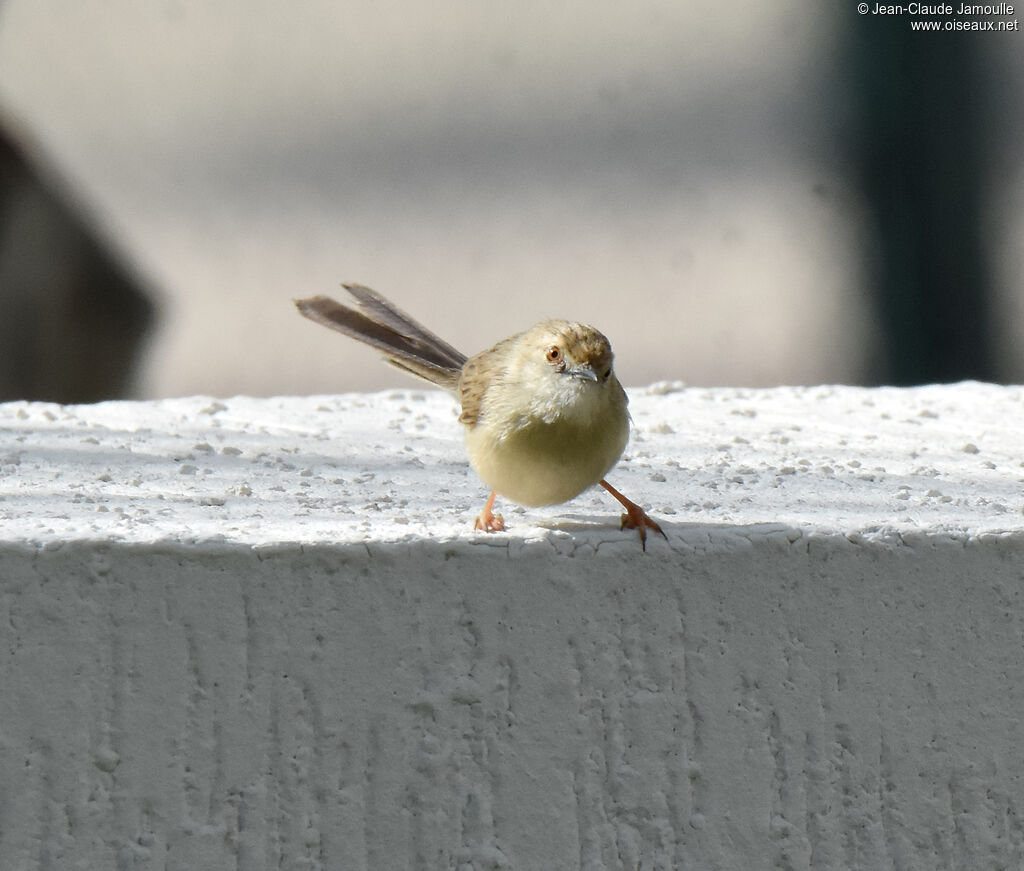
567, 367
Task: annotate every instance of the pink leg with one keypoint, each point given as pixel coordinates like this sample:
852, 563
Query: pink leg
635, 517
487, 520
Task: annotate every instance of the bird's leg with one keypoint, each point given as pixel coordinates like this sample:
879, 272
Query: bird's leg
487, 520
635, 517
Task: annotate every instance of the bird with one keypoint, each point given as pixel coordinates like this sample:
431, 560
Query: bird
544, 416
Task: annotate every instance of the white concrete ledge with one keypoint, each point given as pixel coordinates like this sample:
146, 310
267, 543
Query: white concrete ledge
262, 634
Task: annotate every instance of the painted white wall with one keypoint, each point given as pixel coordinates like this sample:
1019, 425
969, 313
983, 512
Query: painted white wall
262, 632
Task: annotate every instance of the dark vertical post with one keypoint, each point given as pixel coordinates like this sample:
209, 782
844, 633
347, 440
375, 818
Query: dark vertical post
921, 158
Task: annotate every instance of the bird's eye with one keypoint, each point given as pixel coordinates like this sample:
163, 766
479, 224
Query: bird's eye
606, 374
553, 354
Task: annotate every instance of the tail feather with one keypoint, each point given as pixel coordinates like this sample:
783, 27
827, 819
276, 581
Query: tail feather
405, 342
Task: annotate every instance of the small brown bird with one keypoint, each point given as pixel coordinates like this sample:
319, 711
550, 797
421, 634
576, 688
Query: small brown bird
545, 415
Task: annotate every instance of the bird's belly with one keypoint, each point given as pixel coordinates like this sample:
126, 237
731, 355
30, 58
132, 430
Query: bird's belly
544, 464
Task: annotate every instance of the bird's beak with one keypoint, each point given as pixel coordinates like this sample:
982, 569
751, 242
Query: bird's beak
582, 371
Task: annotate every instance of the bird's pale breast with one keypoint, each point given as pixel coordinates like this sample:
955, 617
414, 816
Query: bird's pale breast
534, 462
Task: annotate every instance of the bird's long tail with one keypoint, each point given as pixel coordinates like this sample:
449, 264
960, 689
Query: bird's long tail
405, 342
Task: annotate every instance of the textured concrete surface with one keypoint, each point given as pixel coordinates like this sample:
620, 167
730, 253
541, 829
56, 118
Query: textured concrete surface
259, 634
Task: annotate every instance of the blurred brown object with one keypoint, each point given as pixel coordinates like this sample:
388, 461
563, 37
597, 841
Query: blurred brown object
73, 316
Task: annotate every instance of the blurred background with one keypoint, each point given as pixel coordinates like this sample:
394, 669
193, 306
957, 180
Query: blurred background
766, 193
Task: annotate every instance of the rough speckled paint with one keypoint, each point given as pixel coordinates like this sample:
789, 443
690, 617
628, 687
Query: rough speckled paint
260, 634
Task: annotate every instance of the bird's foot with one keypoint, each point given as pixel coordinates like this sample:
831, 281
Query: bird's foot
635, 517
487, 520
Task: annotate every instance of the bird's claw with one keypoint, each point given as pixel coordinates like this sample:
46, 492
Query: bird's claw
635, 517
487, 520
638, 519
